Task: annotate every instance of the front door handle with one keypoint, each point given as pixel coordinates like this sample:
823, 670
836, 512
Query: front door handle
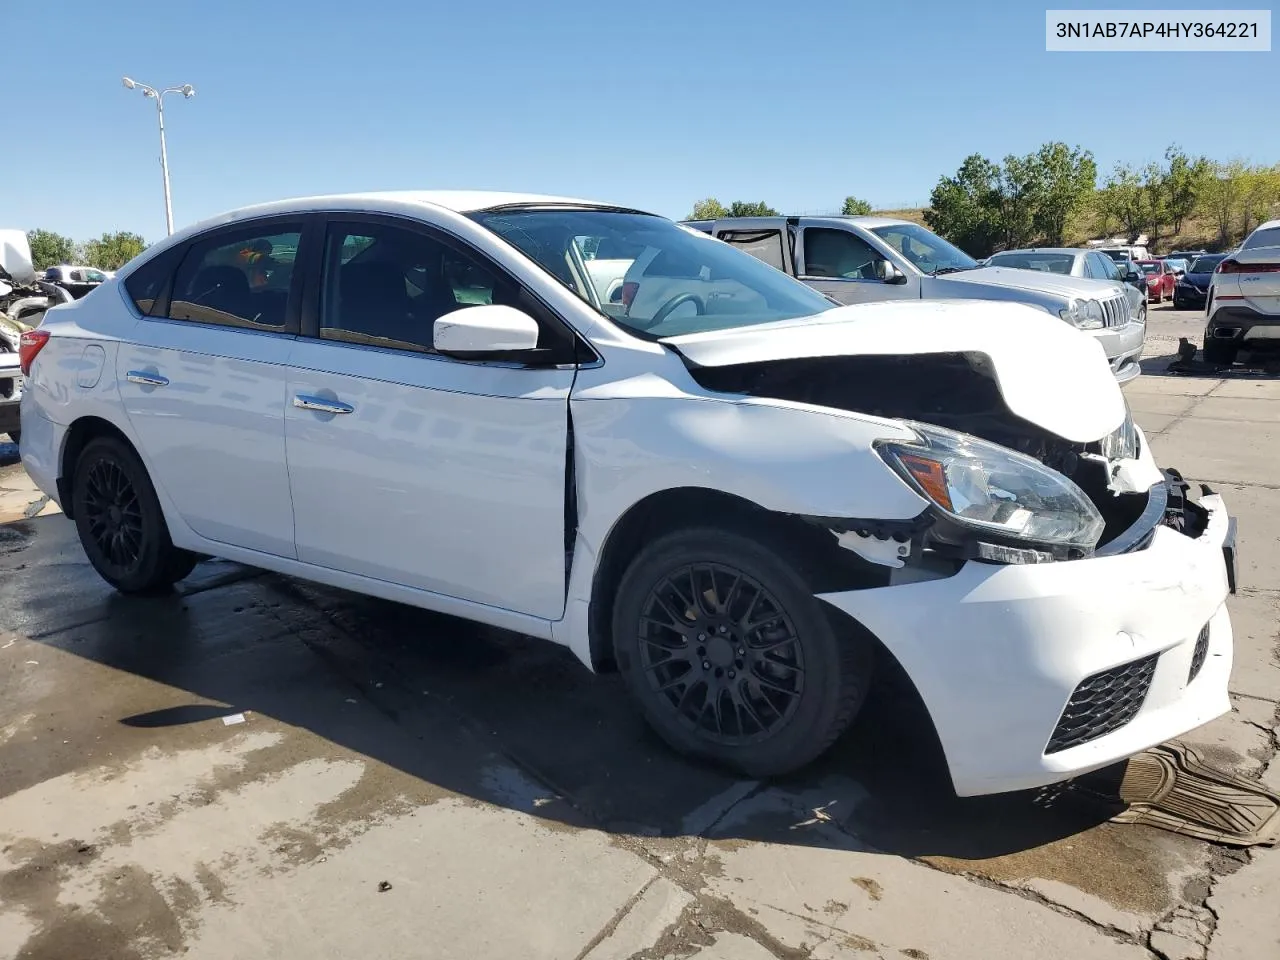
147, 379
321, 404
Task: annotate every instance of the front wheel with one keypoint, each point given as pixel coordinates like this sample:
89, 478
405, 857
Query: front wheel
119, 520
730, 655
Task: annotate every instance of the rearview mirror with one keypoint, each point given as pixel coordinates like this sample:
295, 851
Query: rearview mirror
888, 273
486, 332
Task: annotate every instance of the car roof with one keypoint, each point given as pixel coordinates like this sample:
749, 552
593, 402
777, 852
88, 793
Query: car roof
1269, 225
457, 201
1043, 250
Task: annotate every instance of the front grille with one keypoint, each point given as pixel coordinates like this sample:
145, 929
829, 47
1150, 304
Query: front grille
1103, 703
1200, 654
1115, 312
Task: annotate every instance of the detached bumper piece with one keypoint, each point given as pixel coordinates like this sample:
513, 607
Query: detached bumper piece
1199, 654
1103, 703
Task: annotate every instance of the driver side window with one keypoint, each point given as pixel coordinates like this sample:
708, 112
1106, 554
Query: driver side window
838, 254
386, 286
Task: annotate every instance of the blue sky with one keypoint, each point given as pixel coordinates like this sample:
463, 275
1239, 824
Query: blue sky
655, 104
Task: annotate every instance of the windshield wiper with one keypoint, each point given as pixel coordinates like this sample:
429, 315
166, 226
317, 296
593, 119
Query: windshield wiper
941, 270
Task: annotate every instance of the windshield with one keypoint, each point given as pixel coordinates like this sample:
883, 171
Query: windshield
928, 251
1205, 264
1119, 256
1044, 262
1269, 237
1149, 268
651, 275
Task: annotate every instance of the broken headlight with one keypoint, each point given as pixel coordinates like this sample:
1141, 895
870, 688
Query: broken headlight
991, 489
1123, 442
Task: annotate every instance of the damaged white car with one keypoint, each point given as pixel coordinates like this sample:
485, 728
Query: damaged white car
739, 494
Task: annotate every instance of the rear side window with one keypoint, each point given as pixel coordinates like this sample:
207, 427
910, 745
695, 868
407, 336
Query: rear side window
239, 279
146, 285
764, 245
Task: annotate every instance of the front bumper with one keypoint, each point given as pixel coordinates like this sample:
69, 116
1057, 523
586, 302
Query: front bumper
1006, 657
1191, 295
1123, 347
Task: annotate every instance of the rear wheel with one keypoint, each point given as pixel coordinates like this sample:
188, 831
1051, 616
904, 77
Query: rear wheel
1219, 352
119, 520
730, 655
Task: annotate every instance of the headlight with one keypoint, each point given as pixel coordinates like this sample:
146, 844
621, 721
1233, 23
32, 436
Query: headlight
1084, 314
989, 488
1123, 443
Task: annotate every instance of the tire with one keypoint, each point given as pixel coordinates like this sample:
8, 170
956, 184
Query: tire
120, 523
1219, 353
817, 677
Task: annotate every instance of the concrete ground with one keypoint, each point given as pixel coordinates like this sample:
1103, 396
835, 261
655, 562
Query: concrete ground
258, 767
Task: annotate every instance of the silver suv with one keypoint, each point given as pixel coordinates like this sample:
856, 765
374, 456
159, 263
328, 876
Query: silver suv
862, 259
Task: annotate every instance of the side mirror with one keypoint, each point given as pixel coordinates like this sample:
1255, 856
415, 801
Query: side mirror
486, 332
886, 272
1131, 277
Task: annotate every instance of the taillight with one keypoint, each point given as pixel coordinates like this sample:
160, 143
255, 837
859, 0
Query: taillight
29, 345
629, 293
1235, 266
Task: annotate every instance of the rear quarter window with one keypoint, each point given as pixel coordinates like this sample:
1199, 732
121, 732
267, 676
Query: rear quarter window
149, 284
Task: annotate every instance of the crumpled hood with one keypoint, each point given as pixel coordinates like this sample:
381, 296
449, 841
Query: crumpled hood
1081, 288
1048, 373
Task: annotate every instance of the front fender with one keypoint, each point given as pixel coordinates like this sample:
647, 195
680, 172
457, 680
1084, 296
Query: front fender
785, 457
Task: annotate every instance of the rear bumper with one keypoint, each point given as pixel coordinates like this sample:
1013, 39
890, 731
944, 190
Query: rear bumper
1008, 658
1241, 324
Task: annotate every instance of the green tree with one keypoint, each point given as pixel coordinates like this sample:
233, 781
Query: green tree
1259, 197
708, 209
853, 207
1184, 182
1223, 194
1154, 201
113, 250
1063, 180
1016, 186
741, 208
1122, 199
49, 248
965, 208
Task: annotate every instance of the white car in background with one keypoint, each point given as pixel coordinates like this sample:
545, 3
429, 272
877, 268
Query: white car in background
1243, 305
741, 494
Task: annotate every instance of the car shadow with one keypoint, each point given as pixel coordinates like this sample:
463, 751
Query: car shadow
494, 716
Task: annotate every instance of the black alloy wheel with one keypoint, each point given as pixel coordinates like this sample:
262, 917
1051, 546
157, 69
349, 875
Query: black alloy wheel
120, 522
721, 650
730, 655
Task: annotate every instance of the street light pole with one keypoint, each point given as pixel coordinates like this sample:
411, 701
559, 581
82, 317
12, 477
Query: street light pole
188, 92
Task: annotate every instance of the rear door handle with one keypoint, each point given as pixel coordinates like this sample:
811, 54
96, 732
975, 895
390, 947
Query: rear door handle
147, 379
321, 404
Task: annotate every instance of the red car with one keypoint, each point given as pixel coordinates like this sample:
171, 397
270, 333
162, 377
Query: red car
1160, 279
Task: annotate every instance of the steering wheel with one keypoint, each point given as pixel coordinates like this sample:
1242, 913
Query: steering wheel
669, 307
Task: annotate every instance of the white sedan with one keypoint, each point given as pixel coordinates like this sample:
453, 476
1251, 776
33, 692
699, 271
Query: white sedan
743, 497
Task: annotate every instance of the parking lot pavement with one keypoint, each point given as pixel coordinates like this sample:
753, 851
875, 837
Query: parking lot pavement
406, 785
